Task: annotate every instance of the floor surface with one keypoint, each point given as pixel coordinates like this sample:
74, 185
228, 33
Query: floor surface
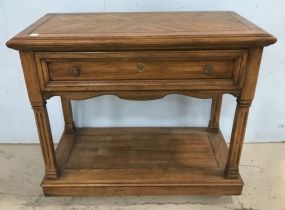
262, 168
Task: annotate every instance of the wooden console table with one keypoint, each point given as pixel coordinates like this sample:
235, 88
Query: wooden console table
141, 56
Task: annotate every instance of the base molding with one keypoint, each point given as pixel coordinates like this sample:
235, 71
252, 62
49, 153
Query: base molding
234, 189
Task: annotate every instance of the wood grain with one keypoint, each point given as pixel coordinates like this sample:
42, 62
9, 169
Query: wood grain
136, 160
132, 30
242, 110
105, 71
47, 146
60, 70
141, 56
144, 150
215, 114
69, 126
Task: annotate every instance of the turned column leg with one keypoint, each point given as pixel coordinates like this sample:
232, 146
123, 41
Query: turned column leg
237, 138
67, 115
46, 141
215, 114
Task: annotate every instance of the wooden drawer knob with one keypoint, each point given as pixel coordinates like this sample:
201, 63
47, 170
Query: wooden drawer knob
74, 72
208, 69
140, 67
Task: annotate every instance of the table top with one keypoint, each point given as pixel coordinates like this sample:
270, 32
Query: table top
143, 28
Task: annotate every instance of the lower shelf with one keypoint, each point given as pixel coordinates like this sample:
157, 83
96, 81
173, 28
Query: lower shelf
142, 161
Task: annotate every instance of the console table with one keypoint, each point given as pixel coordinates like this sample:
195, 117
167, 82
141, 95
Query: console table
141, 56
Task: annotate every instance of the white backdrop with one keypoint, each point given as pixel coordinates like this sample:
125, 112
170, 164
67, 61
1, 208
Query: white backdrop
267, 117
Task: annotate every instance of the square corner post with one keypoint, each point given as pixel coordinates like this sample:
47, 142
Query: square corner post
213, 126
241, 114
69, 127
38, 103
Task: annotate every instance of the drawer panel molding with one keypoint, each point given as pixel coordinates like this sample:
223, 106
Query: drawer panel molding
98, 68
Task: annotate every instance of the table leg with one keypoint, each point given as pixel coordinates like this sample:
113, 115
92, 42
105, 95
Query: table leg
41, 116
215, 114
237, 138
67, 115
46, 141
241, 114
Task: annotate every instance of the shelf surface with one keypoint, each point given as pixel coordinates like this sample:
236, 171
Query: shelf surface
139, 161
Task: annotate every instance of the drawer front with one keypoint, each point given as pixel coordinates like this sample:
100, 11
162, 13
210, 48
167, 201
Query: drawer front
140, 69
56, 67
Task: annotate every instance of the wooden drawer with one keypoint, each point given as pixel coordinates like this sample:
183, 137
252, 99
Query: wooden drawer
140, 69
169, 65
